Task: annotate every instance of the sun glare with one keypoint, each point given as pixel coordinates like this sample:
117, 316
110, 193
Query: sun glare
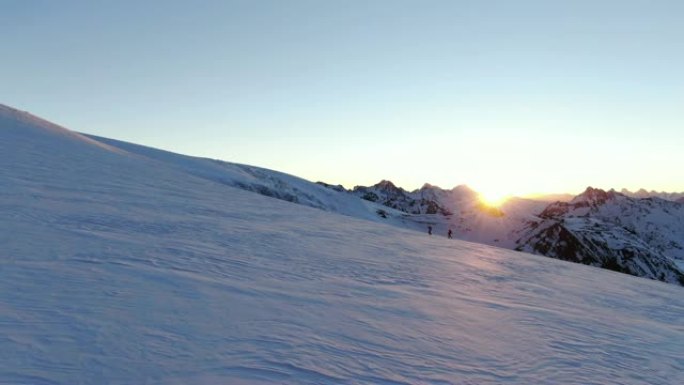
493, 198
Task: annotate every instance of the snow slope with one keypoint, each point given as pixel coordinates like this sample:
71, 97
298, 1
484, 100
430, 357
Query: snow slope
119, 269
459, 209
263, 181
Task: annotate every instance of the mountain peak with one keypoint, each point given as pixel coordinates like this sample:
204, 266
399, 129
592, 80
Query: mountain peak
386, 185
464, 190
462, 187
594, 196
428, 186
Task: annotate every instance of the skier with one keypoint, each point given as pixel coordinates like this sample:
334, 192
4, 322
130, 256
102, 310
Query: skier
449, 234
429, 230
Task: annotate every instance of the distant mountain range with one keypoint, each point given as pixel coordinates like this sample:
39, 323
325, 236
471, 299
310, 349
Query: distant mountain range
643, 193
638, 236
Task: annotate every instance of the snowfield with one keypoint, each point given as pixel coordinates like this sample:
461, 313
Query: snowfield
116, 268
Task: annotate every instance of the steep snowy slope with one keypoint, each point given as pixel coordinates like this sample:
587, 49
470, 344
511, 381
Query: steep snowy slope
266, 182
642, 237
118, 269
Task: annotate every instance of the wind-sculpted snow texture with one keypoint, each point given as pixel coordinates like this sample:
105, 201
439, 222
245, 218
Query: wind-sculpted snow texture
642, 237
119, 269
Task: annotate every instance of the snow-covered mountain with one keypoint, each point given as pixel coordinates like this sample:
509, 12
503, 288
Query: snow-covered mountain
459, 209
118, 267
421, 201
642, 237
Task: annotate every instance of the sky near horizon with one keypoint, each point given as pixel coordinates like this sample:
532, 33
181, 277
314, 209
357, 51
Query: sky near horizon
509, 97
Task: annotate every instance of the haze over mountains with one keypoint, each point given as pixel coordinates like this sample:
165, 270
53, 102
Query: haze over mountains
643, 193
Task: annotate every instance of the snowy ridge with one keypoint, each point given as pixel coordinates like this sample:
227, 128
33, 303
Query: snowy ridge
118, 268
30, 129
265, 182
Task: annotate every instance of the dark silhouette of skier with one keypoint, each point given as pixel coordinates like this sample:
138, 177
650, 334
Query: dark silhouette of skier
449, 234
429, 230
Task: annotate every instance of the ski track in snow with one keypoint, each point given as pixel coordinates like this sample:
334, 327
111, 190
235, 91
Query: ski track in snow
120, 270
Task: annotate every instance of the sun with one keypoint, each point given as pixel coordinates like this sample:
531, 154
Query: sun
493, 198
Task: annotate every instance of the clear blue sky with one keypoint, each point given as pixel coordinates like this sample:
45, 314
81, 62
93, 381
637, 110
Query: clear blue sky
507, 96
